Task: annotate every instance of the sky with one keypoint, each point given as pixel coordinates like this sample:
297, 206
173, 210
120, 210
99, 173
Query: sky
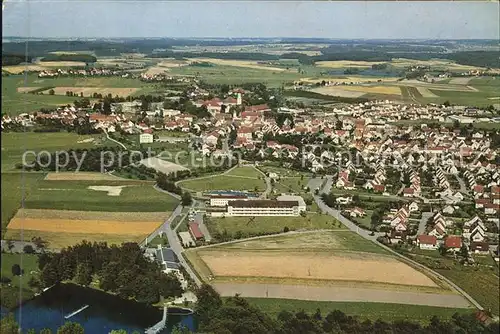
338, 20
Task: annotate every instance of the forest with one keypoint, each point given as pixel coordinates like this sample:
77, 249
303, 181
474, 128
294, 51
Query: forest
119, 269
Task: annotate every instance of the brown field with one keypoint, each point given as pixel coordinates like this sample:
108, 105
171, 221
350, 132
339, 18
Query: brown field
80, 176
88, 91
374, 89
58, 240
313, 266
62, 63
26, 89
17, 69
91, 215
337, 91
239, 63
83, 226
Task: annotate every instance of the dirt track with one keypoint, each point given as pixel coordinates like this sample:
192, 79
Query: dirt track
339, 294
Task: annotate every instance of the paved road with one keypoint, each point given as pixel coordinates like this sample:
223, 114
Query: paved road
163, 227
176, 246
366, 235
341, 294
113, 140
423, 221
269, 186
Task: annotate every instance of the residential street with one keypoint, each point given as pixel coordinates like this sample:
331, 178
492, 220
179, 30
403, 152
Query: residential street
463, 187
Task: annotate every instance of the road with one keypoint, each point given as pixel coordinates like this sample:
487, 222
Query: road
423, 222
366, 234
176, 246
163, 227
113, 140
339, 294
269, 186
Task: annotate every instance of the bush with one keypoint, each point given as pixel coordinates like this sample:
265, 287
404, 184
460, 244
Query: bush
286, 229
28, 249
16, 270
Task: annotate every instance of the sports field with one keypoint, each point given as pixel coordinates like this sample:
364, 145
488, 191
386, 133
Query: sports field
245, 171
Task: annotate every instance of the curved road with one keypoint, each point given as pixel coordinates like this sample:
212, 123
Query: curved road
113, 140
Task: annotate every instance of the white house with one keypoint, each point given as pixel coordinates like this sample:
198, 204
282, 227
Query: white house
145, 138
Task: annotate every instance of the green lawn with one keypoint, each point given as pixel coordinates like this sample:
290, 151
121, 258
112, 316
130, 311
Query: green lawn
246, 171
12, 295
326, 241
291, 185
281, 171
371, 311
363, 194
158, 241
223, 182
75, 195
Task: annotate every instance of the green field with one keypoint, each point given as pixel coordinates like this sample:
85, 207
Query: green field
291, 185
366, 310
14, 103
223, 182
14, 144
75, 195
12, 295
15, 188
325, 241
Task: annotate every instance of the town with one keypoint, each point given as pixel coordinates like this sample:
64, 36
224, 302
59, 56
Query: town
347, 182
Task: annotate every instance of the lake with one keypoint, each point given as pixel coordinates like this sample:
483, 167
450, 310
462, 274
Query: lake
105, 312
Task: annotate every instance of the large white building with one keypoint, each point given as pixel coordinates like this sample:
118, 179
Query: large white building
223, 200
145, 138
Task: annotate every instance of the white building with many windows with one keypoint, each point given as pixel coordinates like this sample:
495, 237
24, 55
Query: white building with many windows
262, 208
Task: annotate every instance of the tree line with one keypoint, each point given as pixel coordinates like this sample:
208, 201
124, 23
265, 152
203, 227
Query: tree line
119, 269
86, 58
235, 315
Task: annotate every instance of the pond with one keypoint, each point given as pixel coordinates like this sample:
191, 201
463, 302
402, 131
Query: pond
104, 313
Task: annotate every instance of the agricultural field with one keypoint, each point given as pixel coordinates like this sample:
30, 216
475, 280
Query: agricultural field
240, 63
15, 102
223, 182
370, 311
42, 66
61, 228
15, 143
348, 64
251, 226
122, 195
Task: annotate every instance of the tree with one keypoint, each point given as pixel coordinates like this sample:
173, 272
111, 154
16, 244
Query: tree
186, 198
118, 331
71, 328
286, 229
83, 274
39, 242
10, 244
209, 302
16, 270
28, 249
8, 325
51, 92
46, 331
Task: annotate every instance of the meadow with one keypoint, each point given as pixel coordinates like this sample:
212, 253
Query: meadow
18, 290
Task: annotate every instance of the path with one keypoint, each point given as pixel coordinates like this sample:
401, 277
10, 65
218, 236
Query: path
340, 294
266, 193
366, 235
113, 140
423, 222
